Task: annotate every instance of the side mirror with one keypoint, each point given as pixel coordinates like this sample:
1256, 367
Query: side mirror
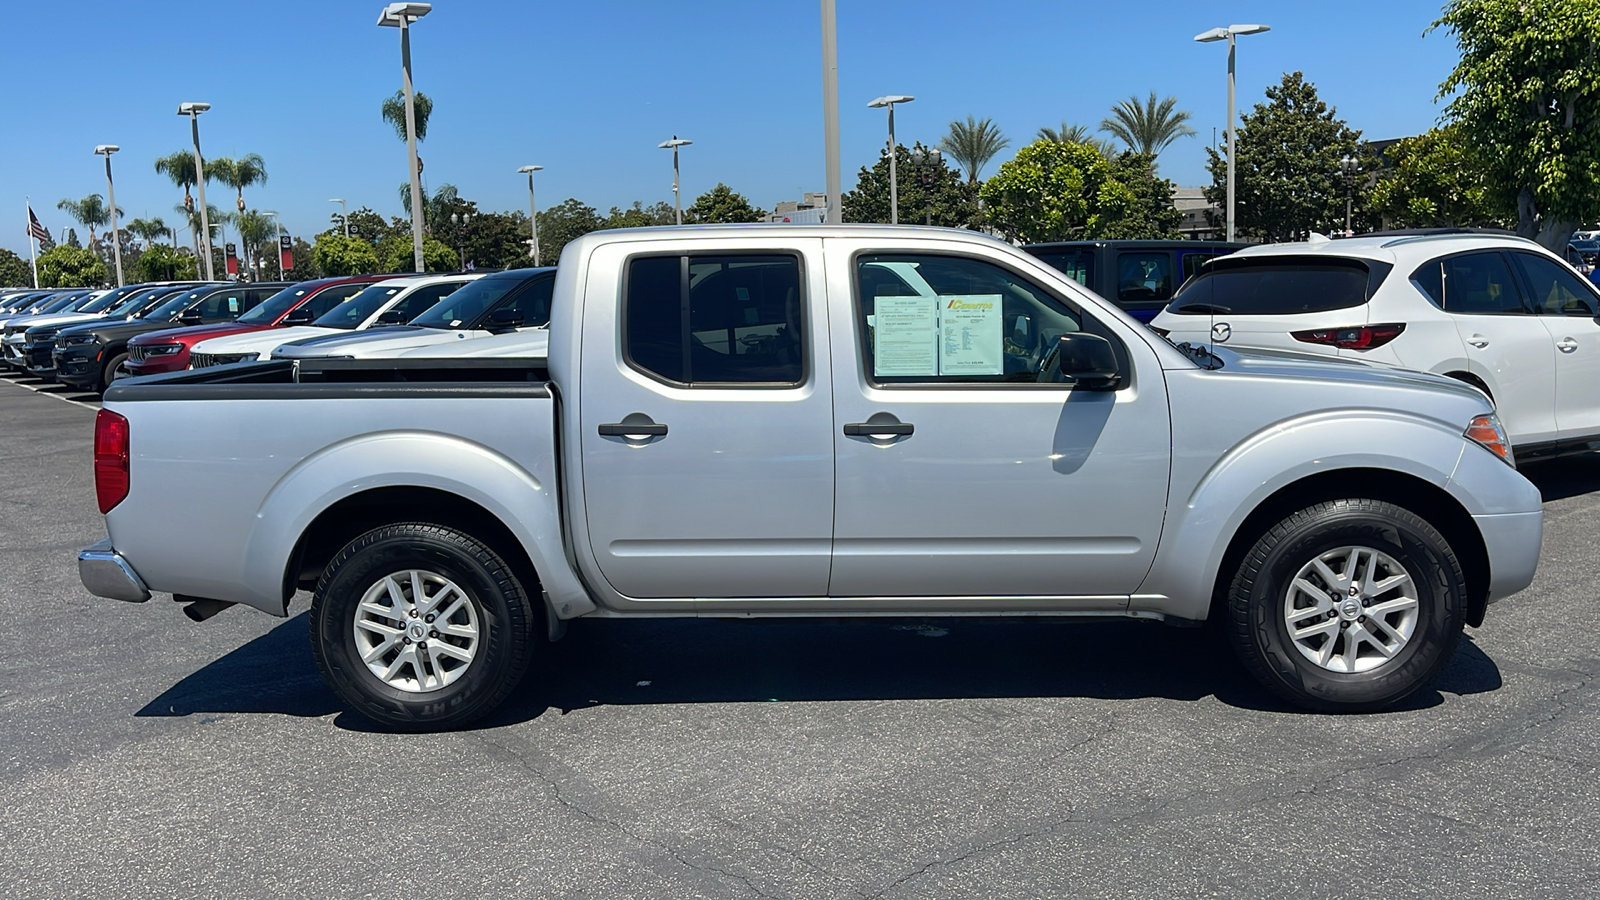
504, 319
392, 316
191, 317
299, 316
1085, 361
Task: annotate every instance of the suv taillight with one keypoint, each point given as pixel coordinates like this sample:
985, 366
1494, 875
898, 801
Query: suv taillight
110, 459
1363, 337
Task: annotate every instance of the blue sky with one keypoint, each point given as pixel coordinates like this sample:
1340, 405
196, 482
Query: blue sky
587, 89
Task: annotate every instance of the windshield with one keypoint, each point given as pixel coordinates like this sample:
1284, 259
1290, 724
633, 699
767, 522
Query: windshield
60, 304
351, 313
141, 301
272, 308
171, 306
469, 303
111, 299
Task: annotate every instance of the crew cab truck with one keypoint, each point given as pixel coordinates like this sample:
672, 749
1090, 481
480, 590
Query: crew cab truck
798, 421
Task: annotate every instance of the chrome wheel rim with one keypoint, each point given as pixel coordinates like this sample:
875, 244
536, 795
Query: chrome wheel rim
416, 631
1351, 609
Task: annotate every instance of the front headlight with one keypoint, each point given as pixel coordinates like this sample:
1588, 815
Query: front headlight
74, 340
162, 349
1487, 432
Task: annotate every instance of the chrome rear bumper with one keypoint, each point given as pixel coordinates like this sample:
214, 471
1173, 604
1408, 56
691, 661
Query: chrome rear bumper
106, 574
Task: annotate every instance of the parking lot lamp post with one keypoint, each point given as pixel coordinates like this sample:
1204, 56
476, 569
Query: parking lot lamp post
401, 15
894, 187
533, 213
1348, 167
116, 243
1229, 34
459, 221
344, 213
928, 163
830, 110
193, 111
673, 145
277, 231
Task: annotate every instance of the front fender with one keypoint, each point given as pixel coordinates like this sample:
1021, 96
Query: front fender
520, 496
1205, 512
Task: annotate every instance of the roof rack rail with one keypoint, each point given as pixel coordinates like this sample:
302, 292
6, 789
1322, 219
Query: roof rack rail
1429, 232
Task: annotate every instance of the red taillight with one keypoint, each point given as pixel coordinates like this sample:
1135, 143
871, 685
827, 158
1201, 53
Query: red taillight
110, 459
1364, 337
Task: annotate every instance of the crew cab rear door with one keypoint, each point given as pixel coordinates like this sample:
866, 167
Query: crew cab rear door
706, 419
961, 473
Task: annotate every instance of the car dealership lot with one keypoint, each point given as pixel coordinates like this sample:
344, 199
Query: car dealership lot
918, 758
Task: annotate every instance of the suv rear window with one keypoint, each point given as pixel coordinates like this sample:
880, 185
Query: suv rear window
1276, 286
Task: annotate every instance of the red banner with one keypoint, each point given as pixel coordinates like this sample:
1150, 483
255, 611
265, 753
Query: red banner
285, 254
232, 256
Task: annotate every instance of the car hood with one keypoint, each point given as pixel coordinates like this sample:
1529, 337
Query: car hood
57, 319
192, 334
1257, 362
528, 342
262, 341
117, 329
375, 342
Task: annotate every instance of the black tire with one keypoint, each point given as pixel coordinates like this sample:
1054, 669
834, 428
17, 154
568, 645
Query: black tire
109, 373
500, 603
1257, 604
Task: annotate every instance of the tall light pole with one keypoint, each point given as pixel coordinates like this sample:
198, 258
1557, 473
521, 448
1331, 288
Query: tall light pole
1229, 34
1347, 166
277, 231
673, 145
894, 184
533, 211
116, 243
344, 213
401, 15
193, 111
830, 110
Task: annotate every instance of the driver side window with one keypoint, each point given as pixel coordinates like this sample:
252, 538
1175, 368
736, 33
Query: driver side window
930, 319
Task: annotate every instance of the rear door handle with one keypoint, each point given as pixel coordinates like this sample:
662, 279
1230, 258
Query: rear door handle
1478, 341
1566, 345
877, 429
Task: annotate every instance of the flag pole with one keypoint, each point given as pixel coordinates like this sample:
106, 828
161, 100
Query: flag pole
32, 257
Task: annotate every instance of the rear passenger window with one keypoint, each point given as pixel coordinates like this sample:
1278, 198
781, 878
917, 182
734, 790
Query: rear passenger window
1430, 281
331, 297
1144, 277
723, 319
533, 302
1555, 291
1480, 284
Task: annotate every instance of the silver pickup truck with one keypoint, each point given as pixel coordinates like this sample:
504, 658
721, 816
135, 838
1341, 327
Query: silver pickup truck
804, 421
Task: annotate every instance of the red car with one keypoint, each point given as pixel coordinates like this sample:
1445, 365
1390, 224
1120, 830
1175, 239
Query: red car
168, 350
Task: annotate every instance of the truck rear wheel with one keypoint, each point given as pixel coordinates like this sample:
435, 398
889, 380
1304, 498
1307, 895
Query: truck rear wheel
421, 627
1348, 606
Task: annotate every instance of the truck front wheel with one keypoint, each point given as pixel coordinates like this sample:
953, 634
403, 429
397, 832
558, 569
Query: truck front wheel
1347, 606
421, 627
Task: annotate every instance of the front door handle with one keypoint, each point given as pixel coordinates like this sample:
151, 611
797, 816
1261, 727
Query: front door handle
868, 429
634, 427
1566, 345
1478, 341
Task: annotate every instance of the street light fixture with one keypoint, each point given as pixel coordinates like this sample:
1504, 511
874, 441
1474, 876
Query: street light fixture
1229, 34
533, 212
344, 213
193, 111
116, 243
894, 185
673, 145
928, 162
401, 15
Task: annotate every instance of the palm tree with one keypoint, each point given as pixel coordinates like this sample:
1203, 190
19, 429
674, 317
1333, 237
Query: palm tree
973, 143
91, 211
394, 112
1147, 128
239, 173
254, 230
179, 167
1076, 134
434, 208
192, 216
148, 229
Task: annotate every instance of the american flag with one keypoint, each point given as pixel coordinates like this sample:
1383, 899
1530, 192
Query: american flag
35, 230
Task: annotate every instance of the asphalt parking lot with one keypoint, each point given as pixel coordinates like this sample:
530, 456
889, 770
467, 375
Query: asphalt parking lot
150, 756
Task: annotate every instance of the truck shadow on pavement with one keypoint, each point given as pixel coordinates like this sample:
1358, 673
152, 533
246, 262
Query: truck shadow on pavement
1558, 479
616, 663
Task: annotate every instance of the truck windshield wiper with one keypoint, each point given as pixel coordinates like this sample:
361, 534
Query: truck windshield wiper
1204, 308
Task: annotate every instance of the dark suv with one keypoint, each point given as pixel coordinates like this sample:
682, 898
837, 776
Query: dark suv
1139, 276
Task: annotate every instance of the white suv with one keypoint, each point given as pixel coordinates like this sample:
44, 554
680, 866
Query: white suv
1493, 310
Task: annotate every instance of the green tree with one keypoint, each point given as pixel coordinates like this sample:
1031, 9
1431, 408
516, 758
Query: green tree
368, 225
972, 144
722, 204
238, 174
497, 241
14, 270
398, 254
160, 262
148, 229
64, 266
1077, 134
1153, 216
640, 216
394, 112
1149, 128
1528, 106
947, 201
1059, 192
435, 209
560, 224
1431, 182
256, 231
179, 167
91, 212
1291, 180
302, 268
339, 255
